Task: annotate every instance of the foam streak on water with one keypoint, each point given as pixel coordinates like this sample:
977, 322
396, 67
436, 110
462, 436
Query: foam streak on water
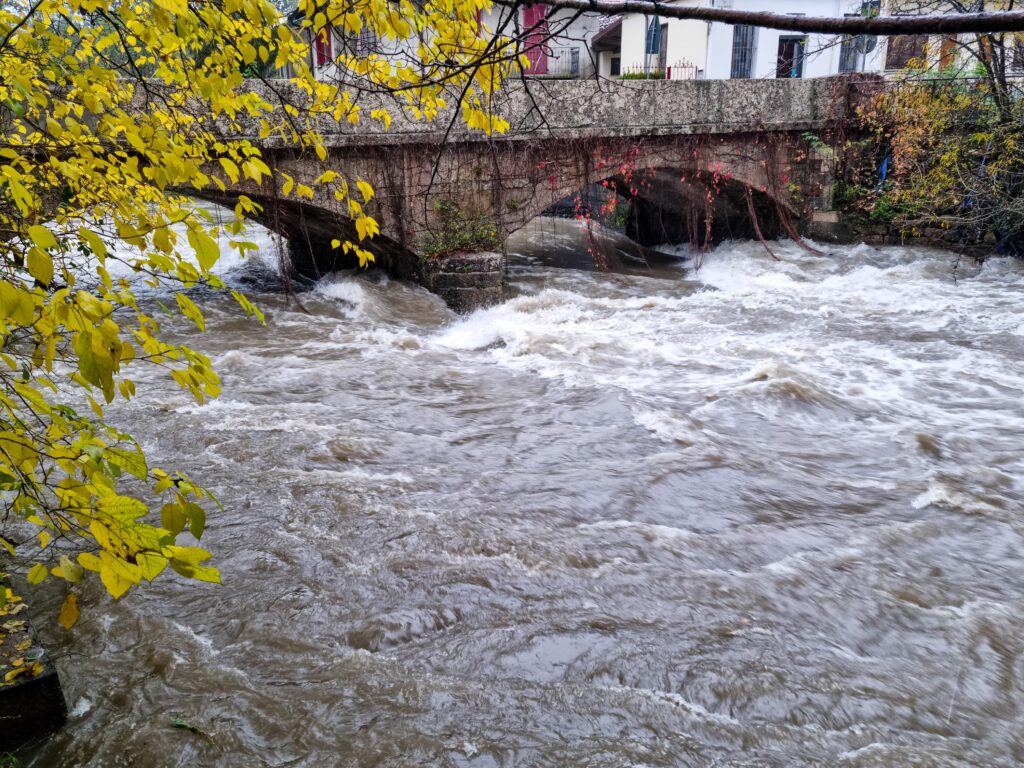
764, 514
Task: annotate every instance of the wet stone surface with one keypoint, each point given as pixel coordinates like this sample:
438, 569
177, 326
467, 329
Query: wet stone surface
31, 700
466, 282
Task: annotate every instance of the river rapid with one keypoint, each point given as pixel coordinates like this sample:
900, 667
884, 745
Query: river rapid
764, 513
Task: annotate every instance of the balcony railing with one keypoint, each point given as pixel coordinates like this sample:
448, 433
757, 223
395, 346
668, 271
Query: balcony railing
681, 70
555, 61
684, 70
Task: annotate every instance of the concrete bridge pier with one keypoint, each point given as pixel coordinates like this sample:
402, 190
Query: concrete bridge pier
467, 281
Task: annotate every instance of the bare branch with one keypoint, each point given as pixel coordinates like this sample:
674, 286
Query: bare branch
839, 25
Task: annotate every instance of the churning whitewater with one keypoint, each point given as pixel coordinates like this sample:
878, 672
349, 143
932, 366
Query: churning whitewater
763, 513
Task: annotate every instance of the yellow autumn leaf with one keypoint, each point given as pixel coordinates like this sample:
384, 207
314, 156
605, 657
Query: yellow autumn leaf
37, 573
40, 265
42, 236
69, 612
206, 248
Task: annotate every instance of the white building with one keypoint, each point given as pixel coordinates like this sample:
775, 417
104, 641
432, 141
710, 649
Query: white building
683, 49
750, 52
556, 42
564, 44
675, 48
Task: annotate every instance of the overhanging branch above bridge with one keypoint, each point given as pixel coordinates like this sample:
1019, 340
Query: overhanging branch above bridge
938, 24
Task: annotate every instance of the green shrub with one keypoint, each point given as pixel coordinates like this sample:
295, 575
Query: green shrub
460, 233
654, 74
844, 193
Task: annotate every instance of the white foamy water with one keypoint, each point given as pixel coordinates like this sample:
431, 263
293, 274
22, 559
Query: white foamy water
870, 333
234, 262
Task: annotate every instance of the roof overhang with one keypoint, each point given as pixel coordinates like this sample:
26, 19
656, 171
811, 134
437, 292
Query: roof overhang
609, 38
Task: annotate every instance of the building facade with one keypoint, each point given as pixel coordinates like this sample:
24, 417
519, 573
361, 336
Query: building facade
957, 55
561, 43
651, 46
672, 48
556, 41
750, 52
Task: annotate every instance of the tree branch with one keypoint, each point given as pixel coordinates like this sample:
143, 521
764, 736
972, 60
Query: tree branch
838, 25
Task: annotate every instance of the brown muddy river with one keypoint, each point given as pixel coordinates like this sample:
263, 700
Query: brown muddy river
760, 514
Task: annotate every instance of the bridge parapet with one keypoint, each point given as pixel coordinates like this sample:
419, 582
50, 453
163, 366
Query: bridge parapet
594, 108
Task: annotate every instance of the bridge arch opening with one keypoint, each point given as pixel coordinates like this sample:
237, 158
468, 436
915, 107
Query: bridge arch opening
700, 208
677, 206
308, 232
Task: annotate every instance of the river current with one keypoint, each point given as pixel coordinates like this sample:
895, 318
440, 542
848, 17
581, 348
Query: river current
763, 513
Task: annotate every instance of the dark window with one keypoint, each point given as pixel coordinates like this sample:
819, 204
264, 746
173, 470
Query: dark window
574, 61
663, 48
653, 36
366, 42
848, 54
616, 66
790, 61
742, 51
905, 48
853, 48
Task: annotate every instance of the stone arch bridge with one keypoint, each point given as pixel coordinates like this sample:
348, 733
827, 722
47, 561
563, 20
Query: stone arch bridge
692, 157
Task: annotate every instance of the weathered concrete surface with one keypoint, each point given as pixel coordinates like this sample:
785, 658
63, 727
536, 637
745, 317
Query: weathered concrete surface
512, 182
828, 227
582, 108
466, 281
564, 135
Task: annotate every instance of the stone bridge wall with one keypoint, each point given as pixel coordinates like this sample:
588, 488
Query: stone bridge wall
600, 108
513, 182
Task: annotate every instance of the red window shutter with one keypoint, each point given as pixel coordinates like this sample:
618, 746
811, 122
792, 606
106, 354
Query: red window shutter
323, 48
536, 27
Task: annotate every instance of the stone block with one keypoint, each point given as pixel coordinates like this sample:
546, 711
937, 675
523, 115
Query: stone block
466, 281
829, 229
32, 703
485, 261
465, 300
469, 279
